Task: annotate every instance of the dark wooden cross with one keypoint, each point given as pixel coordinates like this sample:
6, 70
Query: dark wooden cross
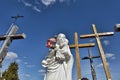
8, 40
90, 57
97, 36
16, 17
77, 46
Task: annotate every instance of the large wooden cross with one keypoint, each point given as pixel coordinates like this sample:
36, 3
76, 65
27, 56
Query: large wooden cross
8, 40
97, 36
77, 46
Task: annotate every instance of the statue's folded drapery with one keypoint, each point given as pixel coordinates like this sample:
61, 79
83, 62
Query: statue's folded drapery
59, 65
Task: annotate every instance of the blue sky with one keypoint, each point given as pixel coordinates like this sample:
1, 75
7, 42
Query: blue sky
45, 18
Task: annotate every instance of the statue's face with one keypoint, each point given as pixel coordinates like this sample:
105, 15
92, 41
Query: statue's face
60, 38
61, 41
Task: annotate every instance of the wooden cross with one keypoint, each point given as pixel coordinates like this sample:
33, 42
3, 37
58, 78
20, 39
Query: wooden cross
90, 57
16, 17
97, 36
77, 46
8, 40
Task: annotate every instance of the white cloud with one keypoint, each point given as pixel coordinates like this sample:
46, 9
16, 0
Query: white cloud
11, 55
30, 66
113, 58
24, 76
36, 9
42, 71
51, 2
48, 2
106, 42
110, 55
31, 6
101, 65
25, 63
92, 40
26, 3
18, 60
24, 57
107, 55
37, 4
27, 75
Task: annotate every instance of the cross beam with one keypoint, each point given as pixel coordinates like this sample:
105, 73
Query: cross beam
16, 36
8, 39
77, 46
90, 57
100, 35
97, 36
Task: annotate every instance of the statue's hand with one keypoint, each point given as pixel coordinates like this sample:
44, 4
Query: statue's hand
44, 63
67, 57
59, 60
56, 47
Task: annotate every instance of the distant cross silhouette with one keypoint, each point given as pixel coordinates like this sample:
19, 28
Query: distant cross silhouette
16, 17
90, 57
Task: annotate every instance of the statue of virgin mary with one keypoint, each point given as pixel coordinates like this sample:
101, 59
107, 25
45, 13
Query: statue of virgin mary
59, 61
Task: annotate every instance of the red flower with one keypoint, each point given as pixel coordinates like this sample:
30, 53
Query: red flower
51, 43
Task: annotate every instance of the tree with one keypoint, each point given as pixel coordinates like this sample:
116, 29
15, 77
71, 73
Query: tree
11, 73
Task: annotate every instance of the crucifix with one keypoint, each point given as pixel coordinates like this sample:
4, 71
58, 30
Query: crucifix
77, 46
7, 41
102, 55
16, 17
90, 57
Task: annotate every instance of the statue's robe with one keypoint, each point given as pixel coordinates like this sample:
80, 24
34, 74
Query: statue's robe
61, 66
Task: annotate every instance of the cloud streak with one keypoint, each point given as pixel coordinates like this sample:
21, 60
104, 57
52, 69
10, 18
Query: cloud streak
36, 9
42, 72
30, 66
11, 55
30, 5
48, 2
24, 76
101, 65
110, 55
26, 3
106, 42
38, 5
18, 60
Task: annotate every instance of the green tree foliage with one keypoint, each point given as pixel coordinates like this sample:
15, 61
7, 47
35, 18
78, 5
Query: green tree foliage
11, 73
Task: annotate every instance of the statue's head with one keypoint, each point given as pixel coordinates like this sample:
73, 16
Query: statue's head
61, 39
61, 35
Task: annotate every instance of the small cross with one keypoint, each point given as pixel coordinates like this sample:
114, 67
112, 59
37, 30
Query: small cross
90, 57
16, 17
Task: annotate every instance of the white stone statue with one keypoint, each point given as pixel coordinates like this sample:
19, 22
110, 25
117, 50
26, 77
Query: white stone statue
59, 61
